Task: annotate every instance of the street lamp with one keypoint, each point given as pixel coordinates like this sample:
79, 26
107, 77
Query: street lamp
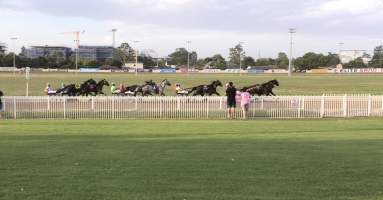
14, 53
136, 42
188, 47
291, 31
240, 58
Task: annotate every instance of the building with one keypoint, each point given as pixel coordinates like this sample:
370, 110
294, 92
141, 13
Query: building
3, 48
46, 51
96, 53
347, 56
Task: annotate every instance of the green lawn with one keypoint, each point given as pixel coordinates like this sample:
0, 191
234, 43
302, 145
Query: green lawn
297, 85
149, 160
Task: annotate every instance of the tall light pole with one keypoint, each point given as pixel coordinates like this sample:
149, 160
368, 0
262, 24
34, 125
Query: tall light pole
188, 49
14, 53
114, 37
291, 31
340, 44
136, 42
240, 58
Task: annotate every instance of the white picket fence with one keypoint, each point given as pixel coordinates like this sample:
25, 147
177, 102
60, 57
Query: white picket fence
189, 107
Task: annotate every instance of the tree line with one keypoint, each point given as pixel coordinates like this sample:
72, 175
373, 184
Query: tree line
182, 57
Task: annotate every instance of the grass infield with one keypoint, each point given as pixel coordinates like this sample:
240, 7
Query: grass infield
150, 160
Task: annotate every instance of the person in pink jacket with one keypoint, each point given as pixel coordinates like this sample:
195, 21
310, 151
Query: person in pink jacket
245, 103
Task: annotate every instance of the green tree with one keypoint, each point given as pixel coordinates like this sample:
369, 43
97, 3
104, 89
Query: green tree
282, 62
180, 57
235, 54
218, 62
377, 58
124, 53
248, 61
357, 63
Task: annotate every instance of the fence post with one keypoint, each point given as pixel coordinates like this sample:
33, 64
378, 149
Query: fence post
207, 108
49, 103
262, 102
64, 105
322, 107
92, 103
113, 109
345, 106
369, 105
14, 108
299, 107
254, 106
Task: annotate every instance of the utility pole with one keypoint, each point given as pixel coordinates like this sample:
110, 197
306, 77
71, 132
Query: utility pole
291, 31
188, 49
14, 53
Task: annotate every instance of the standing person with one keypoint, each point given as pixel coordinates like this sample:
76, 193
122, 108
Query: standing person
231, 93
245, 103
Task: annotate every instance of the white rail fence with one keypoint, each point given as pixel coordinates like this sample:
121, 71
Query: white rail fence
189, 107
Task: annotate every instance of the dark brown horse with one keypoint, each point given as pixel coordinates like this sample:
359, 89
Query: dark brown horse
265, 89
206, 89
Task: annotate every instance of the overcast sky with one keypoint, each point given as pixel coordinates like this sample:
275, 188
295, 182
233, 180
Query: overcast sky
213, 26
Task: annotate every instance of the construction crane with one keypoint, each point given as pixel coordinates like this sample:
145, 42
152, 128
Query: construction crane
77, 41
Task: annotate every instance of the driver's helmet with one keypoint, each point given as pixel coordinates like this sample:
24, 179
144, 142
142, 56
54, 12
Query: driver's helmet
178, 85
113, 84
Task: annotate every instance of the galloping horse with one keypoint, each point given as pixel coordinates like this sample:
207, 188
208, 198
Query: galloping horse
265, 89
206, 89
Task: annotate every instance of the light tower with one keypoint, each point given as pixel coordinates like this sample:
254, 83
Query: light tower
114, 37
188, 49
240, 57
14, 53
291, 31
136, 42
77, 41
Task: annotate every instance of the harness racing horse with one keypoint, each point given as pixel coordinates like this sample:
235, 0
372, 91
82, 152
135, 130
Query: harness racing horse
147, 89
93, 88
69, 90
1, 102
265, 89
162, 86
206, 89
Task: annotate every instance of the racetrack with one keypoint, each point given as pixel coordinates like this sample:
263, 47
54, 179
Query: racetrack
149, 160
297, 85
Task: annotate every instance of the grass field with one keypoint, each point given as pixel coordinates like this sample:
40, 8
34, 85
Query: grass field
149, 160
297, 85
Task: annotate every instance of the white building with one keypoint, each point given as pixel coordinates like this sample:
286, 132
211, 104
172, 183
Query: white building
347, 56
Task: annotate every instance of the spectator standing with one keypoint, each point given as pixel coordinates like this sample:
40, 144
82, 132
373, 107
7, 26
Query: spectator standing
231, 93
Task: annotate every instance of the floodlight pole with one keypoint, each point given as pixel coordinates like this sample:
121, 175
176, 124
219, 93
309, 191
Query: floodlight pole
114, 37
136, 57
188, 49
240, 59
340, 51
291, 31
14, 54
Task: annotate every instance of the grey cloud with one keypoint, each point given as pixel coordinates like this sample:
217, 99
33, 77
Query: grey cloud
251, 16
